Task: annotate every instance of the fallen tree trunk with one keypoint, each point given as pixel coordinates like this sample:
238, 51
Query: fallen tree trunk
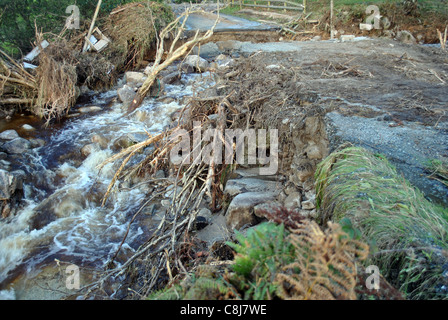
172, 55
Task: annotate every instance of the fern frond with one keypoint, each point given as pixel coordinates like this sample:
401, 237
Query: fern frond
324, 268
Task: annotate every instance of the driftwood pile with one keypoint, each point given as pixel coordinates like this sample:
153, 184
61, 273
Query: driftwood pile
50, 83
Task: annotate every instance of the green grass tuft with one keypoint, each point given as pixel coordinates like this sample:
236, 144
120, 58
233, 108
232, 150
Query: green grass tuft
409, 231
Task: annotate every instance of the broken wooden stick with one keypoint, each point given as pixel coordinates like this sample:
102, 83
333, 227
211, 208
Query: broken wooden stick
86, 44
443, 38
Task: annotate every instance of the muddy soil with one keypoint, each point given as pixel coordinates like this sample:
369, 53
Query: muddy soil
381, 94
408, 82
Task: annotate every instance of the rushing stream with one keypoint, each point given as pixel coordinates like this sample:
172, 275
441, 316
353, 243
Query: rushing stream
61, 220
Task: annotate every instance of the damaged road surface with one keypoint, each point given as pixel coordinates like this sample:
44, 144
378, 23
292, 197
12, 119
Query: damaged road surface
384, 95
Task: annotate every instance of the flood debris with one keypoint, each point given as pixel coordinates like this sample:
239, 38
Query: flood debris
87, 43
48, 81
97, 44
133, 29
171, 55
247, 94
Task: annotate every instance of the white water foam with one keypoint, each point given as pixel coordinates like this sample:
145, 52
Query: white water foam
82, 229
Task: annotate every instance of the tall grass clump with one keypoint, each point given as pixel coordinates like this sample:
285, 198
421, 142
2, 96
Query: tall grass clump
409, 232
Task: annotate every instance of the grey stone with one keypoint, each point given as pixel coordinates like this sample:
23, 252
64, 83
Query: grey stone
160, 174
126, 94
308, 205
293, 200
213, 117
213, 66
89, 149
18, 145
260, 209
122, 142
241, 210
186, 68
224, 61
28, 127
206, 213
170, 190
310, 195
405, 37
37, 143
20, 176
199, 64
207, 50
100, 140
8, 184
229, 45
135, 79
5, 164
137, 137
171, 78
237, 186
9, 135
314, 152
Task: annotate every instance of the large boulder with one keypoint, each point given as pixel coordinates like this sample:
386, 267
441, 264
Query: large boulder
9, 135
172, 78
241, 210
135, 79
17, 146
126, 94
207, 50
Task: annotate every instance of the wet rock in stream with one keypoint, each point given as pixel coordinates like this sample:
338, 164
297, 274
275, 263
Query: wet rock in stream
61, 204
9, 135
17, 146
